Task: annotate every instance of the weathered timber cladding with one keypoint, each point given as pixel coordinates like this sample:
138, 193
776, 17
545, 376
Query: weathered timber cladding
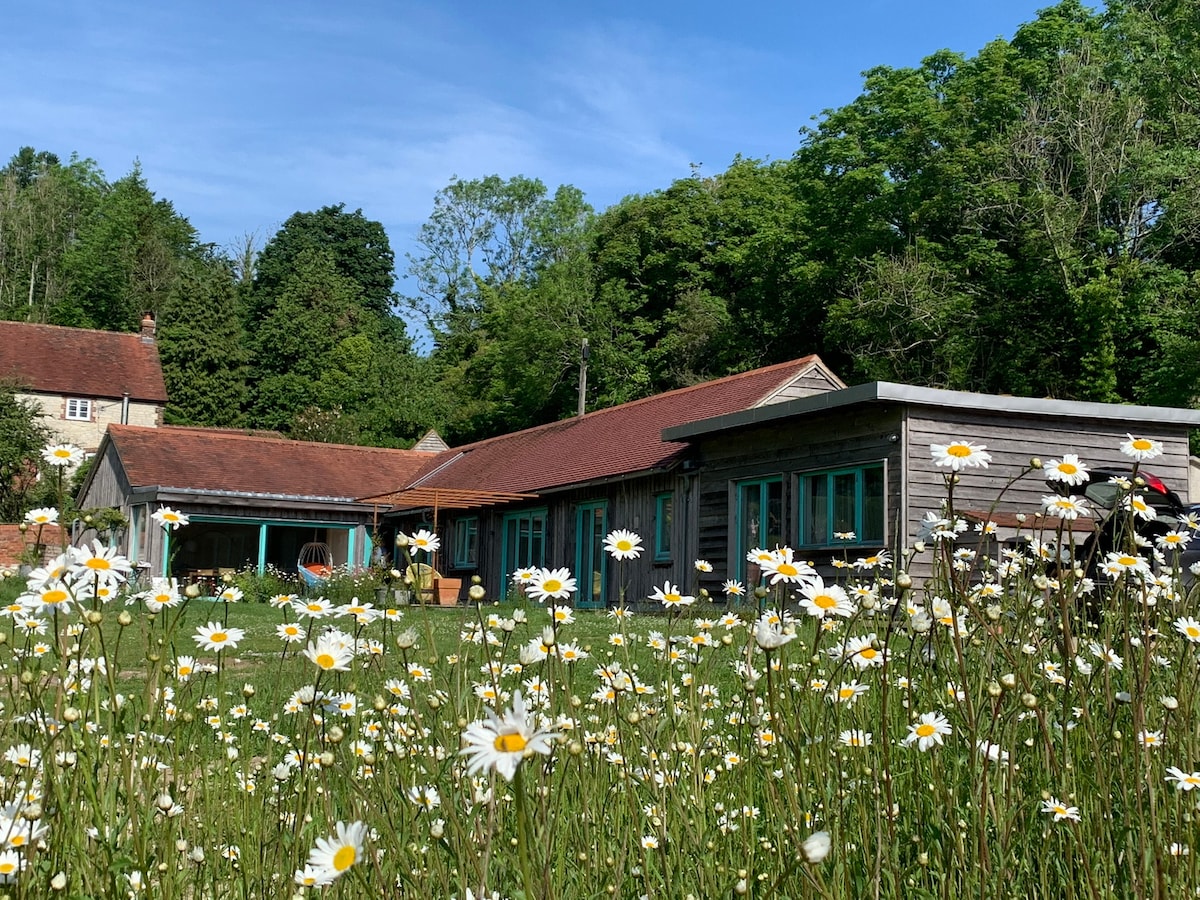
629, 503
842, 438
1012, 440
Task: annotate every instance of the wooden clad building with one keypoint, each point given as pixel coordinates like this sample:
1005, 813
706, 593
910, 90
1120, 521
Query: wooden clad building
548, 496
858, 460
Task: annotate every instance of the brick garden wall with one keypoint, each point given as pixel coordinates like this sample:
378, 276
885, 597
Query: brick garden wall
13, 542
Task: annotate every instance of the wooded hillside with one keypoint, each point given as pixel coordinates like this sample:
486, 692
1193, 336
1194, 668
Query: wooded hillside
1024, 221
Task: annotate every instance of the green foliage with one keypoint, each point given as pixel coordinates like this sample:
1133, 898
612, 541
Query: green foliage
202, 347
22, 437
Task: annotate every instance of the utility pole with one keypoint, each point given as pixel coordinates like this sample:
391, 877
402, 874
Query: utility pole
583, 361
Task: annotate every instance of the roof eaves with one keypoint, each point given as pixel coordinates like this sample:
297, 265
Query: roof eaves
883, 391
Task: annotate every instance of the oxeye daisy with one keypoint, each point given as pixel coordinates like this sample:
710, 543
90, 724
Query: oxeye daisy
1066, 508
1060, 810
928, 731
217, 637
782, 567
62, 455
334, 855
330, 654
42, 516
671, 597
855, 737
958, 455
823, 601
169, 518
1069, 470
1189, 628
622, 544
289, 632
1140, 448
499, 743
703, 565
551, 584
1183, 781
426, 540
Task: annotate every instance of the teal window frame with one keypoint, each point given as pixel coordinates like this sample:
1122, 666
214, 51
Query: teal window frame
511, 558
664, 525
850, 498
591, 559
466, 543
753, 502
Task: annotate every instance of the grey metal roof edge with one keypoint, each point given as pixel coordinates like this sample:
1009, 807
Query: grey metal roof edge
166, 490
923, 396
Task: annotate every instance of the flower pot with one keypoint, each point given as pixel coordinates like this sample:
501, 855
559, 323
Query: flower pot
447, 590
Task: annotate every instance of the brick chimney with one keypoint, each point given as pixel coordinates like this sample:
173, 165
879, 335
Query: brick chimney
148, 328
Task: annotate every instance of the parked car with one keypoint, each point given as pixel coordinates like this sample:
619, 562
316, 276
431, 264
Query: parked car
1114, 520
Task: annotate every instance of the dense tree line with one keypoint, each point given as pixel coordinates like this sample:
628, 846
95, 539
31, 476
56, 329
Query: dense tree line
1025, 221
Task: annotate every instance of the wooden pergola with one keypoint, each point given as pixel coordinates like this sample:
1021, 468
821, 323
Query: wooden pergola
437, 499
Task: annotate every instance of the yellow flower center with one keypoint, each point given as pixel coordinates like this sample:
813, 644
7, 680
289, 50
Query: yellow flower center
846, 693
925, 730
326, 660
787, 569
624, 545
7, 868
1193, 631
185, 670
672, 598
344, 858
55, 596
1061, 810
824, 601
17, 840
1068, 468
550, 585
98, 562
62, 453
218, 637
1141, 444
315, 607
509, 743
1127, 560
962, 451
868, 653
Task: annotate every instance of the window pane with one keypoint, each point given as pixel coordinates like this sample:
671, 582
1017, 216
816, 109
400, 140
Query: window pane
772, 524
663, 521
844, 501
815, 515
873, 505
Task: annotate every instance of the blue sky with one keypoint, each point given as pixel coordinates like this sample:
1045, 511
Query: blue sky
242, 113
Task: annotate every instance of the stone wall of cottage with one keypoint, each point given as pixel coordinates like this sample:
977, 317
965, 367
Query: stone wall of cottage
105, 412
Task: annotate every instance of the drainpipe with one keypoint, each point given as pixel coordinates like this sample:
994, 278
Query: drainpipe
125, 408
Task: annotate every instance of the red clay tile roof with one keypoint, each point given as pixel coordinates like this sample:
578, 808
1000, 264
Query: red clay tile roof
80, 362
224, 460
607, 443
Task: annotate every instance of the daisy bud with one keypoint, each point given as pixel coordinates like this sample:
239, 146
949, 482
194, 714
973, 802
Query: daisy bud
1008, 681
904, 580
327, 760
918, 547
1170, 703
434, 702
406, 639
59, 881
993, 689
476, 593
26, 677
94, 617
248, 690
402, 539
197, 854
124, 619
335, 734
547, 636
922, 858
192, 591
181, 845
741, 887
3, 637
1030, 701
1035, 463
437, 829
165, 801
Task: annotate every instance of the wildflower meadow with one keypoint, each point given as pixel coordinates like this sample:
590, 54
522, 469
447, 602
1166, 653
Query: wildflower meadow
1021, 724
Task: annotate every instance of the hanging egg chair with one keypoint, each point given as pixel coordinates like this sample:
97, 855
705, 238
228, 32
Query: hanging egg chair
315, 564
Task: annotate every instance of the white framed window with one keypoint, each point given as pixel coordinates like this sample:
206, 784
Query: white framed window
79, 410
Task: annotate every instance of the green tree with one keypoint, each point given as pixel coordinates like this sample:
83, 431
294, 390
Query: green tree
202, 346
22, 437
358, 247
